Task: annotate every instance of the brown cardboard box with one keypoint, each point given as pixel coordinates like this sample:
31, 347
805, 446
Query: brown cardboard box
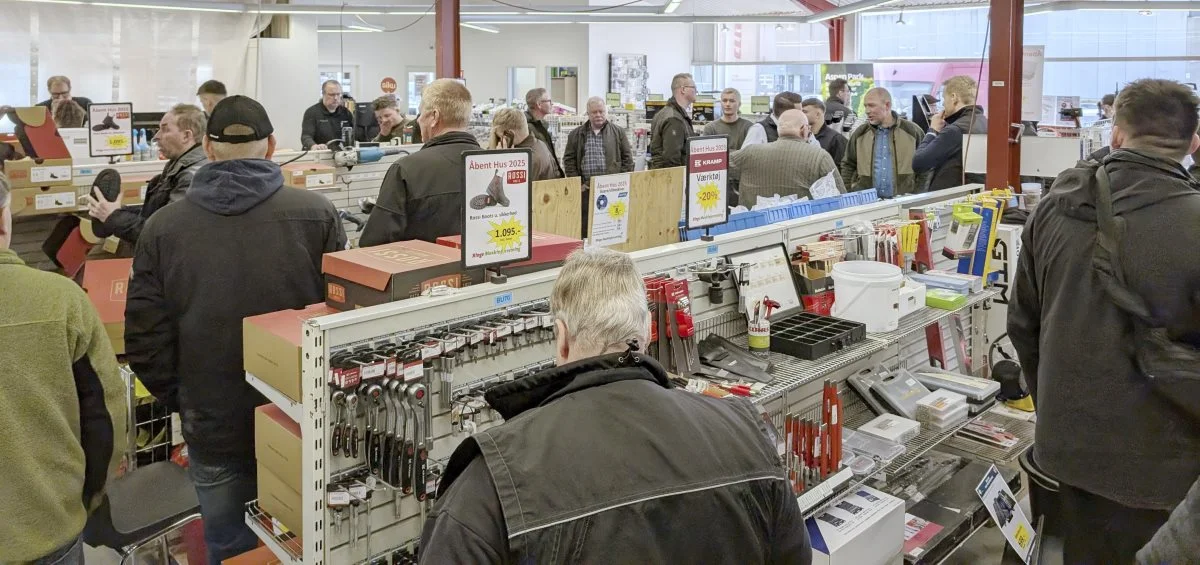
367, 276
279, 500
44, 200
271, 346
28, 173
549, 251
277, 444
133, 189
107, 285
308, 175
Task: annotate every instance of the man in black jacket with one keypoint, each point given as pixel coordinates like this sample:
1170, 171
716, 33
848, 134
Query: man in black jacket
837, 106
60, 91
323, 121
180, 136
596, 148
767, 130
421, 196
831, 140
672, 125
239, 244
1123, 454
941, 150
601, 461
541, 105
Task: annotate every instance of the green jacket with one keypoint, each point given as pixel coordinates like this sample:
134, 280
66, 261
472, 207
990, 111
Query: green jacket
62, 410
857, 166
669, 132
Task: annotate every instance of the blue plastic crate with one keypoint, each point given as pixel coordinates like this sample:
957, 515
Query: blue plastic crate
737, 222
858, 198
826, 205
799, 209
776, 214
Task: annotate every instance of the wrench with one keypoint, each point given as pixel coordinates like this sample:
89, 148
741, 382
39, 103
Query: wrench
338, 398
350, 432
374, 443
416, 396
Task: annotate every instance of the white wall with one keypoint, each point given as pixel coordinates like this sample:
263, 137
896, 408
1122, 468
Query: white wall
486, 57
379, 55
287, 69
669, 53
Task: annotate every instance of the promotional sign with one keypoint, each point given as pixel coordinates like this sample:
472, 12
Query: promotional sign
498, 207
1005, 511
760, 104
112, 129
610, 209
707, 191
612, 99
388, 85
859, 76
1033, 62
655, 98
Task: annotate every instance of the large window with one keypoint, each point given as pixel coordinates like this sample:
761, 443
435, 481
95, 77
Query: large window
765, 43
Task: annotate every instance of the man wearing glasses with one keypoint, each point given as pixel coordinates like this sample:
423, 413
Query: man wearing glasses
60, 91
540, 105
672, 125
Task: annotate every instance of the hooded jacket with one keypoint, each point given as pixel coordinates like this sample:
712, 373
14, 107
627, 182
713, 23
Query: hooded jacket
941, 153
62, 410
1101, 428
170, 186
857, 166
669, 132
239, 245
600, 461
421, 194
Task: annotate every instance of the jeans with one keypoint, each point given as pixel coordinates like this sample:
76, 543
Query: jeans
223, 490
70, 554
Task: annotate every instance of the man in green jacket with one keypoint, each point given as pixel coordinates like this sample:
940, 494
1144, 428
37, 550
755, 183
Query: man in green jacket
672, 125
62, 408
879, 155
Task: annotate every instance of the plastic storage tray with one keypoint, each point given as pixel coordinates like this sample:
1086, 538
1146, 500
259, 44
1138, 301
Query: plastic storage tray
799, 209
860, 197
826, 204
878, 450
808, 336
776, 214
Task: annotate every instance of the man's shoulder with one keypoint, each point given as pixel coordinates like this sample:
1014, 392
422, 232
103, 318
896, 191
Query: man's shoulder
295, 198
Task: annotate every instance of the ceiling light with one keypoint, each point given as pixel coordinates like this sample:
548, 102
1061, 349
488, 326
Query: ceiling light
489, 13
724, 28
583, 13
495, 23
165, 7
900, 21
671, 6
847, 10
778, 27
479, 28
339, 29
73, 2
365, 27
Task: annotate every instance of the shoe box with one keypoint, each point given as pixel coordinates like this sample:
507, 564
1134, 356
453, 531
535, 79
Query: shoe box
106, 282
863, 527
271, 346
549, 251
368, 276
278, 450
133, 189
308, 175
41, 185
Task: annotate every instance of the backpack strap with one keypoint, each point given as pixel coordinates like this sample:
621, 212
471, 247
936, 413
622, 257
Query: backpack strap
1106, 256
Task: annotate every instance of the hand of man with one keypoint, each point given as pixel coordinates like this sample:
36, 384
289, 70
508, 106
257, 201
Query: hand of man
937, 122
99, 207
318, 147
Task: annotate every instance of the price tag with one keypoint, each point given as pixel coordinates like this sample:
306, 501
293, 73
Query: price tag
497, 209
338, 498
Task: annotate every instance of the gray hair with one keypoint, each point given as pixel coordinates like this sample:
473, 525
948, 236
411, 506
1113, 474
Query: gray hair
329, 82
678, 80
190, 118
531, 97
234, 151
5, 190
452, 101
595, 101
599, 296
881, 92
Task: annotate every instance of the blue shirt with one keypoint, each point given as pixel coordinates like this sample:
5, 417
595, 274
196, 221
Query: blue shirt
882, 168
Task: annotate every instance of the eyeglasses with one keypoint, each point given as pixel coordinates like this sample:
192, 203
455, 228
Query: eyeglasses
60, 95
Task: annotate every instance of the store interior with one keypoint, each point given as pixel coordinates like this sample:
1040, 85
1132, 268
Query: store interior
867, 323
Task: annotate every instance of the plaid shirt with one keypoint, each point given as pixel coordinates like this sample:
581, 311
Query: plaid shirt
593, 155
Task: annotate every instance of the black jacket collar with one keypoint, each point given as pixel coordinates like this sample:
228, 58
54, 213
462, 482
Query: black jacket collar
687, 116
513, 398
963, 112
451, 138
189, 158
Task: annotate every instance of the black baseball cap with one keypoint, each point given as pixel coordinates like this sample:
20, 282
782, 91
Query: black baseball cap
239, 119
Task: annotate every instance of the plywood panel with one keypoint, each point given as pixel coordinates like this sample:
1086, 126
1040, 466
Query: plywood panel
556, 207
655, 198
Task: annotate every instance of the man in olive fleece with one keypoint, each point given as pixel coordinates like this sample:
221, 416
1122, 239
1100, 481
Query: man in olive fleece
62, 409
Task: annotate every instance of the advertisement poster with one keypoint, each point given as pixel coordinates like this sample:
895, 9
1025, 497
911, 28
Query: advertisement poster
707, 191
112, 129
498, 207
1005, 511
610, 209
1033, 62
860, 77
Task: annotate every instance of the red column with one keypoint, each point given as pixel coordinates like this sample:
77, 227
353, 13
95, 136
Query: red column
837, 39
449, 50
1004, 96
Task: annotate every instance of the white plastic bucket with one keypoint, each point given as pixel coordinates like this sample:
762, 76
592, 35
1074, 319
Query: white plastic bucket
868, 292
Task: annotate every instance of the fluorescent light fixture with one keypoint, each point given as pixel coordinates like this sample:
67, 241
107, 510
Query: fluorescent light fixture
913, 9
672, 6
523, 23
489, 13
165, 7
316, 11
364, 27
478, 27
336, 29
72, 2
590, 14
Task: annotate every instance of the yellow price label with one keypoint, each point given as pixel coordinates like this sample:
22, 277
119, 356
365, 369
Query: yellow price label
1021, 536
118, 141
506, 234
707, 196
617, 210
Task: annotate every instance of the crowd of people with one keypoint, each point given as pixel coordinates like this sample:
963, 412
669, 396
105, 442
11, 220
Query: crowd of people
1124, 451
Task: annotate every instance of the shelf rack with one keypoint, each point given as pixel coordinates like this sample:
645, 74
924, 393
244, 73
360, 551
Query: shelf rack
293, 409
287, 548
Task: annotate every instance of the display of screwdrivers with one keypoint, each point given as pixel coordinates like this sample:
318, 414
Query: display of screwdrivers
813, 447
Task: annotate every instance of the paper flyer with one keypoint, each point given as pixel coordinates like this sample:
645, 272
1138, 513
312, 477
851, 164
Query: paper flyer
1005, 511
498, 207
610, 209
111, 129
707, 181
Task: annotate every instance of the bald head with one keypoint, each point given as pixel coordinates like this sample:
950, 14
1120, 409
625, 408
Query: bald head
793, 123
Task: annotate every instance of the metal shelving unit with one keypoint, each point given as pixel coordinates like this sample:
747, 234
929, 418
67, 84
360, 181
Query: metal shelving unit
917, 321
287, 548
293, 409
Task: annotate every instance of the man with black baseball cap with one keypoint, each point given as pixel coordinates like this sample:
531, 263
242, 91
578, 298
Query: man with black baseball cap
238, 244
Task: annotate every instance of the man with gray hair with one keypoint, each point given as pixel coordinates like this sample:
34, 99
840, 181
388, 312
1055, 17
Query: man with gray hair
789, 166
323, 121
672, 125
180, 136
880, 154
539, 106
598, 147
596, 451
261, 252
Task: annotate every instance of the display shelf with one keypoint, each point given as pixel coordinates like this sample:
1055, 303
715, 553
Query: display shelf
920, 320
1020, 428
287, 548
293, 409
791, 373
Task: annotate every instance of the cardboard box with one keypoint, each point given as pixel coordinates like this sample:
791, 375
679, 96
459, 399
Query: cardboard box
271, 346
279, 500
260, 555
49, 163
133, 189
549, 251
863, 527
368, 276
277, 444
44, 200
308, 175
28, 173
107, 285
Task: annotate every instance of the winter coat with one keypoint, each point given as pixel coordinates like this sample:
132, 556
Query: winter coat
542, 166
601, 461
669, 132
618, 155
941, 153
421, 196
538, 129
240, 244
858, 165
789, 166
170, 186
319, 126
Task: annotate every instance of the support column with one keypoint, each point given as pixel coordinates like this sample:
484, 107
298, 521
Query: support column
449, 48
837, 39
1004, 93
